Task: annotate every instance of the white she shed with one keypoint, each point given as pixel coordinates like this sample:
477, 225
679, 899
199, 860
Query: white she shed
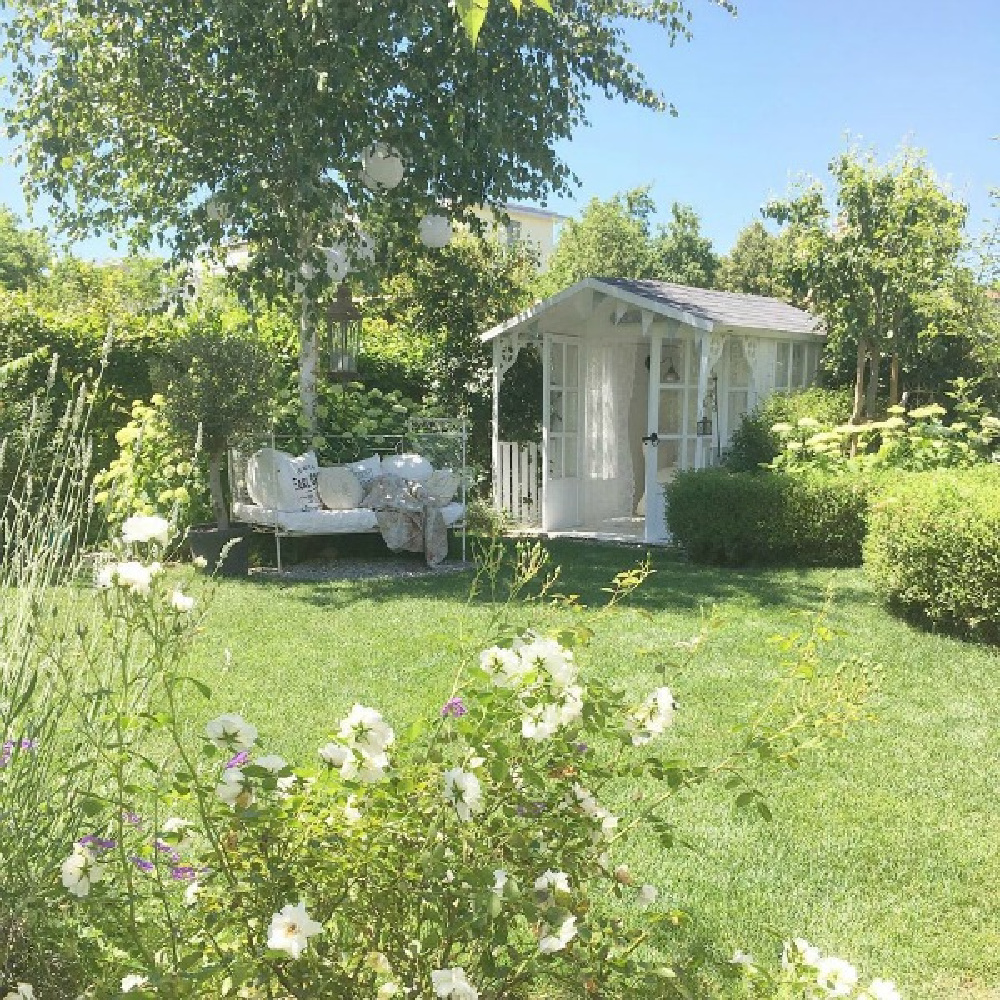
640, 379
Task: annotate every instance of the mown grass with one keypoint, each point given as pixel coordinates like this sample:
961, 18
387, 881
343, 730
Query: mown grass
884, 849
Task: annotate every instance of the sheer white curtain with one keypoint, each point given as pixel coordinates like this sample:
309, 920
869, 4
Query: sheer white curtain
608, 481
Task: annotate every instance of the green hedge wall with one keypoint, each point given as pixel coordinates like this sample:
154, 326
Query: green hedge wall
933, 549
739, 518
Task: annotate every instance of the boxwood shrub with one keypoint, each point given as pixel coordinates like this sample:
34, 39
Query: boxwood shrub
933, 549
737, 518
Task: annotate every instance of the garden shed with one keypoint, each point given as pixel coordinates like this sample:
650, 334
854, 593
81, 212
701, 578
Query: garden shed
640, 379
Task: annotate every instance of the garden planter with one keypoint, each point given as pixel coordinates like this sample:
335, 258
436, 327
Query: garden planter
208, 541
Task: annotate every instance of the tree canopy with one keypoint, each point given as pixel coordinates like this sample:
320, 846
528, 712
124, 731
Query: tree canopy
615, 238
24, 253
878, 261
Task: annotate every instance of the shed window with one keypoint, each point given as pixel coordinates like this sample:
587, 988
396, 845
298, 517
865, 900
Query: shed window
795, 365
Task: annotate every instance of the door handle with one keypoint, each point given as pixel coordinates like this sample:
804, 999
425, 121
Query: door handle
653, 439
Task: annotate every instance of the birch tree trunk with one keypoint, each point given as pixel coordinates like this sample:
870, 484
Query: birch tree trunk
308, 362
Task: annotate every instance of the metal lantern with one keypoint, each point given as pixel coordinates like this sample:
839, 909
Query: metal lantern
704, 427
671, 374
343, 334
381, 167
434, 231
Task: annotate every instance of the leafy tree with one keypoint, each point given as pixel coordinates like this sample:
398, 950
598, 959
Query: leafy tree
445, 302
879, 265
201, 123
131, 286
24, 254
680, 252
757, 264
615, 239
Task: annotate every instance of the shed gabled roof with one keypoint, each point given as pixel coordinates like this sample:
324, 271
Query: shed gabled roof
704, 308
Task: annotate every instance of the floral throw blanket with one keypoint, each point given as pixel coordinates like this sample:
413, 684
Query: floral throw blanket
407, 518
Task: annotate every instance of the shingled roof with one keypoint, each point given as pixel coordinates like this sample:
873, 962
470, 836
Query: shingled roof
705, 308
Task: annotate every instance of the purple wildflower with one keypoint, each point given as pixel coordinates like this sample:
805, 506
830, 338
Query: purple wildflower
141, 863
581, 747
162, 845
454, 707
239, 760
132, 818
97, 843
183, 873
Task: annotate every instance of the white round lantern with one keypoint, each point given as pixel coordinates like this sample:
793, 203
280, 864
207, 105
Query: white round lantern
381, 167
434, 231
342, 259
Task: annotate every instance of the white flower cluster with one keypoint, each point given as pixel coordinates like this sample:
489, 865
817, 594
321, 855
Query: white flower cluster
654, 716
547, 886
231, 732
146, 528
544, 675
133, 576
835, 977
359, 751
463, 791
81, 870
290, 930
452, 983
24, 991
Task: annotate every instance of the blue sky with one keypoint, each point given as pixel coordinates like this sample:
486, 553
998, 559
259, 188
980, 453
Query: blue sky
776, 92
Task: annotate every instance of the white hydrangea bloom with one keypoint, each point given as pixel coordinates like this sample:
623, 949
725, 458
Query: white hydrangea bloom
654, 717
387, 990
146, 528
81, 870
550, 943
290, 930
452, 983
231, 732
134, 982
463, 791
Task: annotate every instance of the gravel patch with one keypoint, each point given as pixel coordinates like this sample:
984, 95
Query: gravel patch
322, 570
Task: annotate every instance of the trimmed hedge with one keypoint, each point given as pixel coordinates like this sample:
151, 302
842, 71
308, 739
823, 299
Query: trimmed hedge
933, 549
738, 518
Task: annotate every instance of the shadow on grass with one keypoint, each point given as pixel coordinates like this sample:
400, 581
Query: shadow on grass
587, 568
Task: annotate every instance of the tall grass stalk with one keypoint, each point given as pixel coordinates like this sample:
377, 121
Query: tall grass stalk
45, 518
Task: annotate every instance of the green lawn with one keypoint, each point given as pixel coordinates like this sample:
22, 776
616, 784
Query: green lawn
884, 849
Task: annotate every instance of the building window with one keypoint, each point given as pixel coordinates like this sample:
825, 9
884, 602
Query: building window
795, 366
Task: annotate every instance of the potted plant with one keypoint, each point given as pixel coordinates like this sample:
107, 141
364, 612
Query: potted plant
220, 381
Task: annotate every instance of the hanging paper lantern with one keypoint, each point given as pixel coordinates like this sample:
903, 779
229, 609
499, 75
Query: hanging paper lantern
381, 167
434, 231
342, 259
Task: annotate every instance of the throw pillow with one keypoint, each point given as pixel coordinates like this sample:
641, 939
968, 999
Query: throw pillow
339, 488
413, 468
367, 469
441, 486
279, 481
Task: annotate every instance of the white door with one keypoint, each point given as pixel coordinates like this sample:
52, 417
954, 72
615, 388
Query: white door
561, 400
671, 427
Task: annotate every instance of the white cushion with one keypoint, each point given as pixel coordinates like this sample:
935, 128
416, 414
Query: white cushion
412, 468
339, 488
442, 485
367, 469
279, 481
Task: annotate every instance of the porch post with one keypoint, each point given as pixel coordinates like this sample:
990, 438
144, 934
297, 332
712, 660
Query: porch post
546, 375
495, 436
654, 528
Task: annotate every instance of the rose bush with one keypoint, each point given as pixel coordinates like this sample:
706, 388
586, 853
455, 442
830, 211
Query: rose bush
476, 854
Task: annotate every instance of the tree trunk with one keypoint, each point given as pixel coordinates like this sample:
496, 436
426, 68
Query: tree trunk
857, 416
894, 373
871, 394
308, 361
219, 506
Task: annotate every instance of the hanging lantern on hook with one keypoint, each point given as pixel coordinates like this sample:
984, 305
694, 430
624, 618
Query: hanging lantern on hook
343, 334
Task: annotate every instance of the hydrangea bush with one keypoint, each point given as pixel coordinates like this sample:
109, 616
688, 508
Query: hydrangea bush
476, 854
